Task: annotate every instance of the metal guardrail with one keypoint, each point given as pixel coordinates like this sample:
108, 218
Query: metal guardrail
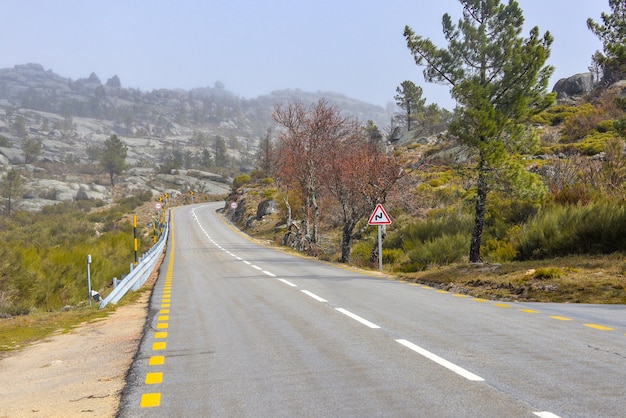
140, 273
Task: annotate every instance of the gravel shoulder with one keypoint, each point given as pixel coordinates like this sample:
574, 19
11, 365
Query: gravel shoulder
77, 374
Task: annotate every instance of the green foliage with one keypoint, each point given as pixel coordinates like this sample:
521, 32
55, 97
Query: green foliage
597, 228
440, 223
113, 157
499, 80
592, 144
4, 142
605, 126
360, 252
269, 194
409, 99
612, 33
442, 250
240, 181
43, 258
547, 273
554, 115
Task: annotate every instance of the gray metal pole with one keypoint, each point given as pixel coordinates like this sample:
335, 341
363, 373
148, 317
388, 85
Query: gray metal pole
380, 248
89, 278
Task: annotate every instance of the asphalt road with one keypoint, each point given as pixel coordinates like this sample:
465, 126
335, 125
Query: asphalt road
240, 330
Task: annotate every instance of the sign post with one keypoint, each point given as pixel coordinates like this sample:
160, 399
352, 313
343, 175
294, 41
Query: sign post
379, 217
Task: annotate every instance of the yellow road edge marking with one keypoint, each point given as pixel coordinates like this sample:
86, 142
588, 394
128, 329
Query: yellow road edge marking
479, 300
150, 400
162, 325
159, 345
502, 305
164, 317
460, 295
154, 378
529, 310
600, 327
561, 318
160, 334
165, 300
164, 311
165, 305
442, 291
156, 361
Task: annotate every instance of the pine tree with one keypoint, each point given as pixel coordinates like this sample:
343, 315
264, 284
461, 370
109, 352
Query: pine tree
409, 98
113, 157
498, 78
11, 187
612, 33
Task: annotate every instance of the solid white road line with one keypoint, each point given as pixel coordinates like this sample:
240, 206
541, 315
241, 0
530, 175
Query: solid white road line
314, 296
442, 362
358, 318
288, 283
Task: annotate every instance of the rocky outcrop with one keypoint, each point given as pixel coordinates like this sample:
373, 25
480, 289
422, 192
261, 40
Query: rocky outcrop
576, 85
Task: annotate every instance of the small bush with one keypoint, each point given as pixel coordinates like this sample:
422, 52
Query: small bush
547, 273
240, 181
446, 249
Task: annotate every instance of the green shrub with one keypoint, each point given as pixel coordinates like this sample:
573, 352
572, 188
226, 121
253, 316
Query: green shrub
443, 250
597, 228
240, 181
360, 252
605, 126
547, 273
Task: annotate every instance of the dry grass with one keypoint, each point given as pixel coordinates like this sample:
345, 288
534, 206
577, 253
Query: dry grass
575, 279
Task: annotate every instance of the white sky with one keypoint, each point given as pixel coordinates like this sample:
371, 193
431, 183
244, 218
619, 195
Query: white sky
353, 47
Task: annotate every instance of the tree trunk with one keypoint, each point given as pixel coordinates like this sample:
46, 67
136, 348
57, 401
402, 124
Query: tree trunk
346, 243
479, 218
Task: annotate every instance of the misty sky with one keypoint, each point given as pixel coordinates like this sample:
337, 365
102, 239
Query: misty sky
353, 47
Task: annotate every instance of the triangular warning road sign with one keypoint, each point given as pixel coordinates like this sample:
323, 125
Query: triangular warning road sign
379, 216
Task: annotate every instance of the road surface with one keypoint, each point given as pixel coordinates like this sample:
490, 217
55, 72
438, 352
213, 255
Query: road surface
240, 330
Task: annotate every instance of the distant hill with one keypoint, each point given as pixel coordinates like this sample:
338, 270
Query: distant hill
155, 113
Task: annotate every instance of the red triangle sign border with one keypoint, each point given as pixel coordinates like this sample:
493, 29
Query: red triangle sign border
379, 216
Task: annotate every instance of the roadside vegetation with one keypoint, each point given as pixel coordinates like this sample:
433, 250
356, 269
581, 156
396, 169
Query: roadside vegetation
521, 199
44, 266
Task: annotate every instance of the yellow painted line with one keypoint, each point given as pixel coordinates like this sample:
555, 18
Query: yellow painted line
162, 325
479, 300
600, 327
165, 305
154, 378
459, 295
156, 361
502, 305
150, 400
164, 311
529, 310
165, 301
561, 318
426, 287
159, 345
160, 334
164, 317
442, 291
